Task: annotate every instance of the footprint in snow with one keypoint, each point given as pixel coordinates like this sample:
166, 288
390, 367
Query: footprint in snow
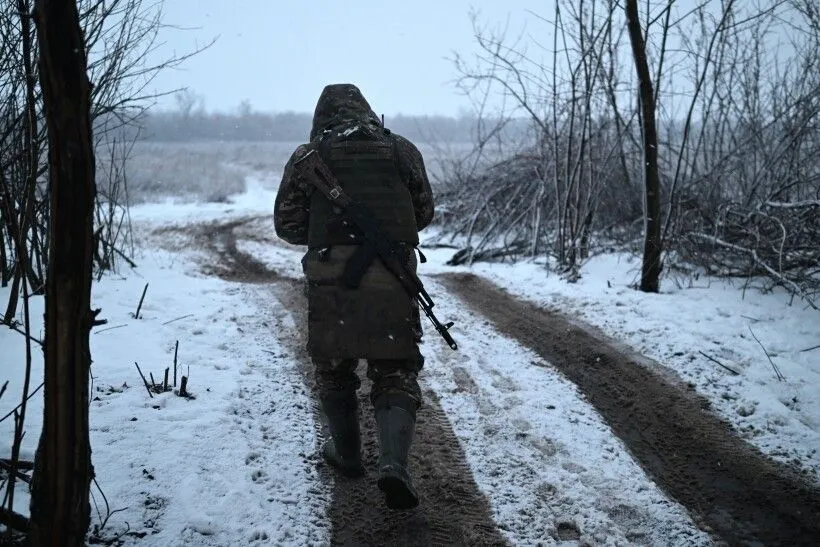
567, 531
259, 535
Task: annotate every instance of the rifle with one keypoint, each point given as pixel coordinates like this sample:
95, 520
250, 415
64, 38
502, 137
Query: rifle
375, 244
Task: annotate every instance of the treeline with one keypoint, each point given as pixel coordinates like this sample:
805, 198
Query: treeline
183, 126
738, 104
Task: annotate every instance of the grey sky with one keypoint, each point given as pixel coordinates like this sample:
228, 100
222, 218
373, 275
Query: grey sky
279, 54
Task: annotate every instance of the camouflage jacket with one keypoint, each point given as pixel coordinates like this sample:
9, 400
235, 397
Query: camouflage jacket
340, 106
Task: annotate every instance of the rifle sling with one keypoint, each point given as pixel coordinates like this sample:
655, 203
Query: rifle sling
358, 264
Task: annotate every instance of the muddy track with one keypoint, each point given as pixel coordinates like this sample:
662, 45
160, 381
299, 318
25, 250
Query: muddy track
729, 486
452, 511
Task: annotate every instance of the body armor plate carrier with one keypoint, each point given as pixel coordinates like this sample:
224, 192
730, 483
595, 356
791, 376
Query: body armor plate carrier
368, 171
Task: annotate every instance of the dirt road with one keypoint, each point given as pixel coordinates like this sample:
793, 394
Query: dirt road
733, 491
696, 458
452, 511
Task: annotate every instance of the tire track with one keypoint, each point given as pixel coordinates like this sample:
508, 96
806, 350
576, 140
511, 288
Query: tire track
732, 488
452, 510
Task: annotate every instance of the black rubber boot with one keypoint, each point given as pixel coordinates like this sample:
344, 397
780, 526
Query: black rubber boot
343, 451
396, 420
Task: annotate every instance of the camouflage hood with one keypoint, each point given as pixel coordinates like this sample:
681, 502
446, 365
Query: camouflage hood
340, 104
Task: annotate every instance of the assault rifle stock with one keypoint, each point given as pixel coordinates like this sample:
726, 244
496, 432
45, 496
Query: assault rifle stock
376, 243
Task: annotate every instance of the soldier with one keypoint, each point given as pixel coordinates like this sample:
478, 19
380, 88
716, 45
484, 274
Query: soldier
377, 321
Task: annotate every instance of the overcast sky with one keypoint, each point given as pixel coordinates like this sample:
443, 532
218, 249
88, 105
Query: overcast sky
278, 54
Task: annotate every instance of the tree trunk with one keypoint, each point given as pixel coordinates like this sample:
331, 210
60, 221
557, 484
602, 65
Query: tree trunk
651, 269
4, 277
60, 510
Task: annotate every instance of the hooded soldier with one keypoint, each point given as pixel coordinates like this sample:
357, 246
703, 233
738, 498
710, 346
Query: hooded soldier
377, 321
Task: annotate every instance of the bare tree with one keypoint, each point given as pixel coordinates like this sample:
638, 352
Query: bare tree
651, 269
746, 175
729, 172
118, 34
544, 198
60, 508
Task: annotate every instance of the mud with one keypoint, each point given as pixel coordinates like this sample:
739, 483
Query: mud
731, 488
452, 510
233, 264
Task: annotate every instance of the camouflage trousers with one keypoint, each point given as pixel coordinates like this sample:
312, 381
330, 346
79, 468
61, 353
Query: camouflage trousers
387, 375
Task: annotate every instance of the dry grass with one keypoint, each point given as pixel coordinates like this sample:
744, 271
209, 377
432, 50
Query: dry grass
208, 171
212, 171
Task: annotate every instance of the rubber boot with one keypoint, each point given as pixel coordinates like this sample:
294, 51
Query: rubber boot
343, 451
396, 420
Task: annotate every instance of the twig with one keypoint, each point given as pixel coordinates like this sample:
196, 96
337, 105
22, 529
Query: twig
165, 382
13, 520
780, 377
20, 416
124, 257
15, 409
178, 318
752, 253
736, 373
14, 327
144, 381
183, 387
111, 328
113, 539
108, 512
139, 306
3, 389
97, 322
24, 465
9, 468
755, 319
153, 383
794, 205
176, 351
811, 348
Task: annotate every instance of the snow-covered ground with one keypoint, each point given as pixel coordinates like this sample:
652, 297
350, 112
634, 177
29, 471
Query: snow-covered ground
677, 327
236, 465
536, 448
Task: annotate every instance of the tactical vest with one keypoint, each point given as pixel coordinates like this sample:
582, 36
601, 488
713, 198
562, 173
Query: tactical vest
367, 168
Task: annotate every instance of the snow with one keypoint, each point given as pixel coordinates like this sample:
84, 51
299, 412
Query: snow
237, 464
713, 316
540, 451
536, 448
257, 199
226, 462
234, 465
